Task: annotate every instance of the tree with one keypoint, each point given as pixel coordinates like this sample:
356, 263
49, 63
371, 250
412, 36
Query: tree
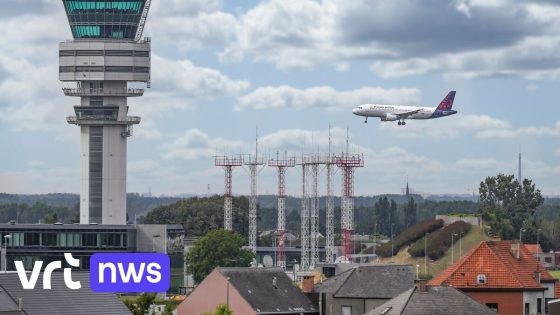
142, 304
219, 248
509, 206
410, 213
221, 310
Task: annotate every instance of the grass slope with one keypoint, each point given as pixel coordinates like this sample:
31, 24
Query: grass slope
473, 237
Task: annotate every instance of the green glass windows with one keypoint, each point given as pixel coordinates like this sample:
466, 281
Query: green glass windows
132, 7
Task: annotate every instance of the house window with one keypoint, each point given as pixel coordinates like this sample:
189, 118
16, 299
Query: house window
539, 306
481, 279
548, 260
493, 306
346, 310
526, 309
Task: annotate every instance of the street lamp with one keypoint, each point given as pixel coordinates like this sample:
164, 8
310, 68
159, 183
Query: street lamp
417, 272
453, 234
154, 242
227, 293
392, 245
521, 231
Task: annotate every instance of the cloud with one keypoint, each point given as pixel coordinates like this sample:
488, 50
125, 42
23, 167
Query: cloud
461, 38
195, 144
481, 126
280, 97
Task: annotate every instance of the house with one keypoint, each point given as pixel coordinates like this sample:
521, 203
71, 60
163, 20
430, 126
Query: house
432, 300
248, 291
502, 275
548, 260
59, 299
361, 289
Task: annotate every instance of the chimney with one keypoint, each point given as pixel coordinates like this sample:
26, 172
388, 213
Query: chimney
20, 304
308, 285
514, 250
422, 285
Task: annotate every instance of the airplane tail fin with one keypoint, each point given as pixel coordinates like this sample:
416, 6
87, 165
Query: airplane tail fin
447, 102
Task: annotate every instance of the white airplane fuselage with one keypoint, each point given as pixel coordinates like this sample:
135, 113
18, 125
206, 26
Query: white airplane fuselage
391, 112
401, 113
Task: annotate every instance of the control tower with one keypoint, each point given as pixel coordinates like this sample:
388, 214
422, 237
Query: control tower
107, 53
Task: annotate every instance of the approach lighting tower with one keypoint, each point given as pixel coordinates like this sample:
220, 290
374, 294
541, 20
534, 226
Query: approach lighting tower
281, 164
228, 163
107, 53
347, 163
253, 163
330, 249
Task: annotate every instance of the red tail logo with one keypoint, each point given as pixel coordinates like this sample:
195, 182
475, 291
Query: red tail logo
447, 102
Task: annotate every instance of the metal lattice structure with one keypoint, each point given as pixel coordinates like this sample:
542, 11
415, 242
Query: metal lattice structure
228, 163
281, 165
314, 217
253, 163
330, 249
347, 163
304, 264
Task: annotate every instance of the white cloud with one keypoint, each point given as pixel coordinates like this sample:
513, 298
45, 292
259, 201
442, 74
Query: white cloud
327, 97
482, 126
195, 144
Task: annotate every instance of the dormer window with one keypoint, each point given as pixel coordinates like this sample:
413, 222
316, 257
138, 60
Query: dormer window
481, 279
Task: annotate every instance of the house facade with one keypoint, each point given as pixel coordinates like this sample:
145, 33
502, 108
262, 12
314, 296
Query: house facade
361, 289
503, 275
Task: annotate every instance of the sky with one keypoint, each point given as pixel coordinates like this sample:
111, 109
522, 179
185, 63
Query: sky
293, 68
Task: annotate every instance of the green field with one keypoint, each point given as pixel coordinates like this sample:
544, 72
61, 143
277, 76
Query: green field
555, 274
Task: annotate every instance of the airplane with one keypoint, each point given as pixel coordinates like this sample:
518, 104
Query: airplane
400, 113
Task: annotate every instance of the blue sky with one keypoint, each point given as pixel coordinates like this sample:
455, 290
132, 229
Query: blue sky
294, 67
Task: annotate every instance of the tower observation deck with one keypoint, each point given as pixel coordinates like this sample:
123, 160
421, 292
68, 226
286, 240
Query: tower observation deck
105, 55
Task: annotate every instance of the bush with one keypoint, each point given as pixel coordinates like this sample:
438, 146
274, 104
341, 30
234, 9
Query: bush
409, 236
439, 241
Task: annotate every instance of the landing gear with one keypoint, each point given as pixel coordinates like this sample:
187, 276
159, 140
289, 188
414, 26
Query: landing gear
401, 123
365, 122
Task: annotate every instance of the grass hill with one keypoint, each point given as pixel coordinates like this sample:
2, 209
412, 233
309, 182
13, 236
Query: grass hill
471, 239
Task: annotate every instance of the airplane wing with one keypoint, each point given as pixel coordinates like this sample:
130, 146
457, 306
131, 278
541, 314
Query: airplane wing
406, 114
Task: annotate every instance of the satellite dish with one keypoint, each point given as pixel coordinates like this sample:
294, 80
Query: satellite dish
267, 261
296, 267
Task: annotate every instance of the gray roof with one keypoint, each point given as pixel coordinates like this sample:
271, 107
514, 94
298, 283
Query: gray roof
7, 304
437, 300
370, 282
255, 285
60, 300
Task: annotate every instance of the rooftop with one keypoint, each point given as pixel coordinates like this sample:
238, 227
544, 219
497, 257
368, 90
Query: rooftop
266, 295
438, 300
60, 300
363, 282
498, 262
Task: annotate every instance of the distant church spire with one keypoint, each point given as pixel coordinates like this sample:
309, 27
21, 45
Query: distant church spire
407, 190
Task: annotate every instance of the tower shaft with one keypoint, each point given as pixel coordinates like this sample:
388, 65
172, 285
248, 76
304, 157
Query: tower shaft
253, 209
330, 249
228, 163
314, 218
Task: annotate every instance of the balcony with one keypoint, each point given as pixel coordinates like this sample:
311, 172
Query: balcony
98, 121
127, 92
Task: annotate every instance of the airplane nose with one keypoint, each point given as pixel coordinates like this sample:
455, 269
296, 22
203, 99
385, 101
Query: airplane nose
355, 111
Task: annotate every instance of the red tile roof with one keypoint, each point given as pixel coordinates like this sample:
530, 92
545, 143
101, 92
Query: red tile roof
557, 291
502, 269
534, 248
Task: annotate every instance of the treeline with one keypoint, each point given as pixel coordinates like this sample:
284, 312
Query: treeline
202, 215
38, 212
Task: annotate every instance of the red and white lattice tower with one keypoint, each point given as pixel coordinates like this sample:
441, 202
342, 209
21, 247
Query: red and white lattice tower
253, 163
228, 163
347, 163
281, 165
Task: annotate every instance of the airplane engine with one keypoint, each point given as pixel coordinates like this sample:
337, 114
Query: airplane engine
389, 117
